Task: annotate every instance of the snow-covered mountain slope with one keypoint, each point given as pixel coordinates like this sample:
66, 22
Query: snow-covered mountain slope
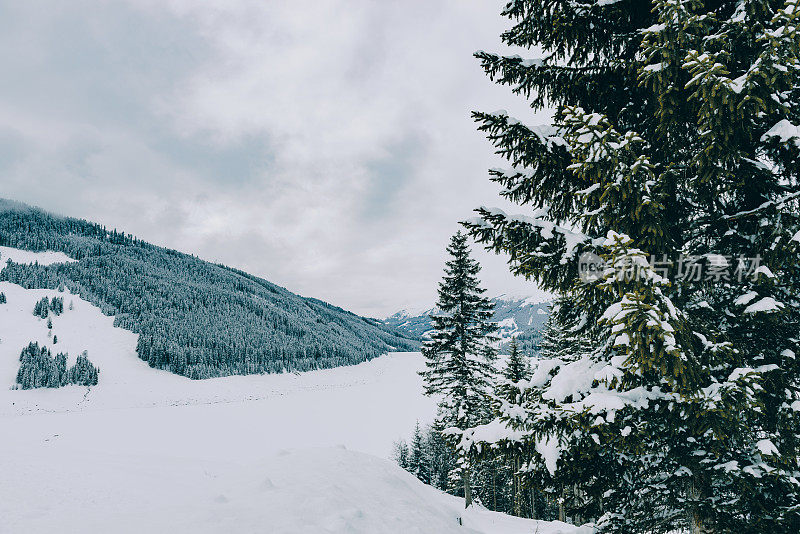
150, 451
515, 315
127, 382
193, 317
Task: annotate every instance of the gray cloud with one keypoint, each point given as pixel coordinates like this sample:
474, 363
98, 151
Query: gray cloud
325, 145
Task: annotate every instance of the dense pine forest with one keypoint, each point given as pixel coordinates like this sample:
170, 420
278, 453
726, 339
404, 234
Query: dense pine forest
193, 318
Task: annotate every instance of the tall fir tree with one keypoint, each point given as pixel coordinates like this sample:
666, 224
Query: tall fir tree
460, 352
675, 158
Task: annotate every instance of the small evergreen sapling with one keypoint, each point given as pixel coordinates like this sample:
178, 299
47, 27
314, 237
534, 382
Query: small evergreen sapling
401, 454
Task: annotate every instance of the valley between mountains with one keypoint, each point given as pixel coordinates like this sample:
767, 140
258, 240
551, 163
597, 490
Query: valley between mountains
146, 450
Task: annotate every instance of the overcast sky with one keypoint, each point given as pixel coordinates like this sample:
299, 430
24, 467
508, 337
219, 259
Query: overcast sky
325, 145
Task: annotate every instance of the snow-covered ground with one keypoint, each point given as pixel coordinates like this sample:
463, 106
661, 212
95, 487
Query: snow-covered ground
25, 256
149, 451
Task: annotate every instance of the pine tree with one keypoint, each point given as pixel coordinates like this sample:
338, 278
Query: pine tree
401, 454
509, 393
459, 353
418, 456
2, 298
517, 367
441, 456
42, 308
564, 335
57, 305
83, 373
61, 368
674, 158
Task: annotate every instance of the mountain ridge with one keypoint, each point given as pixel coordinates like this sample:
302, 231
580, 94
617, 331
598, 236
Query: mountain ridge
520, 316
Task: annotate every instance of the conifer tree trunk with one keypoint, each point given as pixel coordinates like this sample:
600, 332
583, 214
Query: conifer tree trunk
515, 489
698, 522
467, 488
494, 489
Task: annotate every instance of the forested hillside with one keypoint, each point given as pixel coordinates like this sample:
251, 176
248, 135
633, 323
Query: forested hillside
193, 318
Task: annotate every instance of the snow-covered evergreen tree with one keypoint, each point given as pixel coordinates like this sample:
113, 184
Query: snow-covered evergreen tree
674, 160
57, 305
460, 351
60, 361
509, 393
83, 372
42, 308
517, 369
401, 453
418, 463
440, 455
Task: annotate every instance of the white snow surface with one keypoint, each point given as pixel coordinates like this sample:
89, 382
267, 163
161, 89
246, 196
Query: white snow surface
526, 298
311, 491
149, 451
25, 256
765, 305
785, 131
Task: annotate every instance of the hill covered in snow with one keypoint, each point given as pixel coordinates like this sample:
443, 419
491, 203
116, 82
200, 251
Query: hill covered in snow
310, 491
194, 318
146, 450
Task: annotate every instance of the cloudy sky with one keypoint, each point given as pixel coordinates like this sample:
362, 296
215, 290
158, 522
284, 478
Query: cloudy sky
325, 145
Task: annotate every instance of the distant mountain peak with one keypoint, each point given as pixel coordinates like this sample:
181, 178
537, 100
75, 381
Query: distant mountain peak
516, 315
525, 299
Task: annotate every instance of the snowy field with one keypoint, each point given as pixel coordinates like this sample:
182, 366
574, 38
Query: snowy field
149, 451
